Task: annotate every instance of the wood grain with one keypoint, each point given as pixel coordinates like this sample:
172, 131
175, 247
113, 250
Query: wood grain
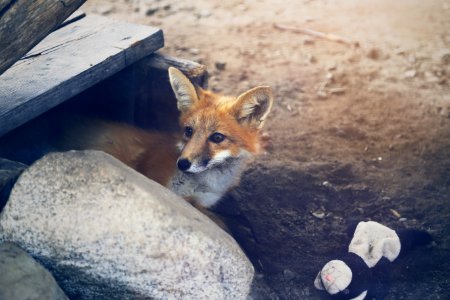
25, 23
69, 61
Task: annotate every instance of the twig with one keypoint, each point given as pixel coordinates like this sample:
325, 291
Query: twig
318, 34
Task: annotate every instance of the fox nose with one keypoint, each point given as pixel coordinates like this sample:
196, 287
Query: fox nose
183, 164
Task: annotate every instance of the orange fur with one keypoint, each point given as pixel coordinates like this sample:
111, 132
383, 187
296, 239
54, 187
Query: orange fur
151, 153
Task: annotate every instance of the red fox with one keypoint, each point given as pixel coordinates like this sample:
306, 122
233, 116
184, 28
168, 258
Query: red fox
219, 136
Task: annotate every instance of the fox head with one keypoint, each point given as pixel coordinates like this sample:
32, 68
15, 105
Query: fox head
217, 129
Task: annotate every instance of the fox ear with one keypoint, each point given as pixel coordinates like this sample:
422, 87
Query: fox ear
253, 106
183, 88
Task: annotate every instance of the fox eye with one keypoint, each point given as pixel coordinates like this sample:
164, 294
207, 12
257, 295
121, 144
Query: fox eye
188, 131
216, 138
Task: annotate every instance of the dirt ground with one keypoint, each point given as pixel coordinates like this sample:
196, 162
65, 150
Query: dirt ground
356, 132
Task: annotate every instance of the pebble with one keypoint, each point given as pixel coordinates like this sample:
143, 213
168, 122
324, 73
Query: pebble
409, 74
337, 91
220, 65
105, 9
374, 53
322, 94
444, 56
395, 213
151, 11
318, 214
332, 66
288, 274
310, 58
194, 51
308, 41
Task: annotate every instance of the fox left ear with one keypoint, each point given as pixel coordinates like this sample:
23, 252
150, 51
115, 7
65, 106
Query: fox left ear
253, 106
183, 88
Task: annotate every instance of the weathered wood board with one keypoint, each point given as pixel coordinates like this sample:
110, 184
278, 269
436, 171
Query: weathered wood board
25, 23
69, 61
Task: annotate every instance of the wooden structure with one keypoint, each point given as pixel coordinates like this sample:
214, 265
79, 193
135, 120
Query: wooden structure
95, 65
25, 23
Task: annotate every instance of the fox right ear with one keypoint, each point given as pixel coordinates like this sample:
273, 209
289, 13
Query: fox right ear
183, 88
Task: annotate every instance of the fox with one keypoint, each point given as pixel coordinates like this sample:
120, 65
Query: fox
219, 136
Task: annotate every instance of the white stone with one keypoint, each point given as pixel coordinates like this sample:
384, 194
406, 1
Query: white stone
105, 231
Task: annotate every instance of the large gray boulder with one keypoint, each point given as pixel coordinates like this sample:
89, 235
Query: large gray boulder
107, 232
22, 278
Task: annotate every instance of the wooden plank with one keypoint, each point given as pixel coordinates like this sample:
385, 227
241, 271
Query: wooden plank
3, 4
195, 71
25, 23
69, 61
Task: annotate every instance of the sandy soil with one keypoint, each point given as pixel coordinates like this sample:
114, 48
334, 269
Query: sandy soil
356, 133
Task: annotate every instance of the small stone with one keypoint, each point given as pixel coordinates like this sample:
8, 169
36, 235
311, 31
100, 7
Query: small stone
308, 41
337, 91
105, 9
332, 66
220, 65
194, 51
395, 213
374, 53
288, 274
322, 94
318, 214
409, 74
360, 210
310, 58
326, 183
403, 219
443, 56
151, 11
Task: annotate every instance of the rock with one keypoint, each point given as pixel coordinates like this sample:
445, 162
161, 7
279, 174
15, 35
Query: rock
194, 51
322, 94
105, 231
318, 214
220, 65
23, 278
308, 41
288, 274
105, 9
409, 74
374, 53
337, 91
151, 11
9, 171
444, 56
